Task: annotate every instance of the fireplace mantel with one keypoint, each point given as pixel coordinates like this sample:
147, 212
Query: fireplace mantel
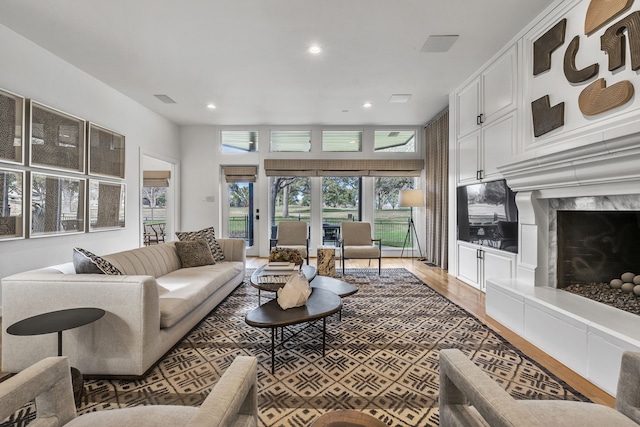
602, 165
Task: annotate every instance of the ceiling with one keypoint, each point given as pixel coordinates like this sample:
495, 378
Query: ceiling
250, 59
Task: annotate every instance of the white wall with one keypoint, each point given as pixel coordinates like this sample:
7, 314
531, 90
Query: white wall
32, 72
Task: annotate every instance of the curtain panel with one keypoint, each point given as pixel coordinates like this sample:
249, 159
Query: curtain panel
437, 193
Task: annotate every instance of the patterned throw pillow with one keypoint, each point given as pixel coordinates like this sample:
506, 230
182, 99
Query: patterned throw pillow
208, 235
86, 262
194, 253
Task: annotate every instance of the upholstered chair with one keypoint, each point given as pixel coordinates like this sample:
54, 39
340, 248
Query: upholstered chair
469, 397
293, 235
231, 402
357, 243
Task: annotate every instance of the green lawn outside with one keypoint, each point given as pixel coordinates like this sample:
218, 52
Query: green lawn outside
390, 224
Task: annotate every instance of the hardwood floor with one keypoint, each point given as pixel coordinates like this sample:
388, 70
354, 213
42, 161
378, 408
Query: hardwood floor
472, 300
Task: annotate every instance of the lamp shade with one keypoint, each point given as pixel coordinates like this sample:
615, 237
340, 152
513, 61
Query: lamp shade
411, 198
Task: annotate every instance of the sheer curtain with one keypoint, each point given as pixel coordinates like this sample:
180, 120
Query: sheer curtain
437, 194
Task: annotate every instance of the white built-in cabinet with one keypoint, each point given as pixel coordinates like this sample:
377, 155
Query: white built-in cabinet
487, 120
478, 263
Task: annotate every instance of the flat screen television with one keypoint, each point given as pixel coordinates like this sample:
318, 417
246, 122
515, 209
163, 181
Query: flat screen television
488, 215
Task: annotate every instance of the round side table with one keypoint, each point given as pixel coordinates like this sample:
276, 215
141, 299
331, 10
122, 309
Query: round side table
58, 321
347, 418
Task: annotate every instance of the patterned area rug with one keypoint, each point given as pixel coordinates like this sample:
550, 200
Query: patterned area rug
381, 358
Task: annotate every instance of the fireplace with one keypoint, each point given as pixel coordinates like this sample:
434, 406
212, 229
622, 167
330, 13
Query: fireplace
596, 246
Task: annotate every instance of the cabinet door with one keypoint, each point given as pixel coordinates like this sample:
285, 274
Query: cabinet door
498, 145
468, 268
498, 265
468, 155
468, 108
499, 88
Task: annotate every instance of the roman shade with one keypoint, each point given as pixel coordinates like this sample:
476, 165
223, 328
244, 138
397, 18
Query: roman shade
156, 178
240, 173
342, 167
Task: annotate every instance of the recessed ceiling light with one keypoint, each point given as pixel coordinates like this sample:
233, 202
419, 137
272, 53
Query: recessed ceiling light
367, 105
211, 106
315, 49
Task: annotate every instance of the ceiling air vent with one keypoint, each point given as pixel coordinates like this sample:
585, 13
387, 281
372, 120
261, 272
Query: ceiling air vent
436, 44
165, 98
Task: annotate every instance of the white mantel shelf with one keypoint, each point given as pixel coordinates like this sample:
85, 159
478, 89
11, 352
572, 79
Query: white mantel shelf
587, 336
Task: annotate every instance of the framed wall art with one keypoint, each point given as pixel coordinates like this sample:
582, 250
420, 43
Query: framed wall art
106, 152
11, 127
11, 204
57, 139
57, 205
106, 205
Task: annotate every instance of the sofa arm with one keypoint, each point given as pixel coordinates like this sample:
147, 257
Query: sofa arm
628, 394
233, 249
131, 322
49, 383
233, 398
462, 382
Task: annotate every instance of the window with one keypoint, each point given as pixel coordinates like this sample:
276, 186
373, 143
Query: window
395, 141
340, 202
239, 141
289, 199
390, 221
342, 140
290, 140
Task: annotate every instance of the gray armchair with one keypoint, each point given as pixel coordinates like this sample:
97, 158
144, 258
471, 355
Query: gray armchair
469, 397
293, 235
356, 243
231, 402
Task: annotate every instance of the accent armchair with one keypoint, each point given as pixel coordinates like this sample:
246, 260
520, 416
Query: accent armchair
231, 402
293, 235
356, 243
462, 384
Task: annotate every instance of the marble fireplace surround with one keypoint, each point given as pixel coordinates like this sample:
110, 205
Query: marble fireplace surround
601, 171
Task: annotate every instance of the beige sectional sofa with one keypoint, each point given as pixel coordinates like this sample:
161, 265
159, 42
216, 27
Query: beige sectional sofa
149, 308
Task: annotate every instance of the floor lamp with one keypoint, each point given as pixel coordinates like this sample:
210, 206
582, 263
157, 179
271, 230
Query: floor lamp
411, 199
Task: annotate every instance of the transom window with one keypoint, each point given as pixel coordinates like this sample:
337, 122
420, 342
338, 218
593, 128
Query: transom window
342, 140
403, 141
239, 141
290, 140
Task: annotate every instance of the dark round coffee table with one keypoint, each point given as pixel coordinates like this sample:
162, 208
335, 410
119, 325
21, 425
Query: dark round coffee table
58, 321
320, 304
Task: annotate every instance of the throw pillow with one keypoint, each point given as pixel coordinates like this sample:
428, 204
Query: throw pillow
194, 253
209, 235
86, 262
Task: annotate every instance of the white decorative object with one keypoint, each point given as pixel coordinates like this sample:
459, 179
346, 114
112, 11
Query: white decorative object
295, 292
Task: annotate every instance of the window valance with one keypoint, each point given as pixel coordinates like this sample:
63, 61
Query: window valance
156, 178
240, 173
342, 167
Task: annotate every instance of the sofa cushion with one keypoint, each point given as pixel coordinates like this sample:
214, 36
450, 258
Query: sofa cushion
194, 253
207, 234
86, 262
154, 260
189, 287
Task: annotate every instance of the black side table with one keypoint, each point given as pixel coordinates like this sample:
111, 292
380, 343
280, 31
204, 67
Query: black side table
58, 321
